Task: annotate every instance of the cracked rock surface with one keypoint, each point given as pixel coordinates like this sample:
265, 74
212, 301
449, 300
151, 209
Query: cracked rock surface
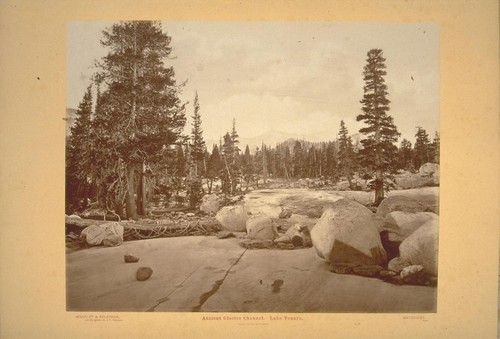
208, 274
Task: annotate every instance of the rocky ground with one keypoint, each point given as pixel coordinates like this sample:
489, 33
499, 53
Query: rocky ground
251, 267
207, 274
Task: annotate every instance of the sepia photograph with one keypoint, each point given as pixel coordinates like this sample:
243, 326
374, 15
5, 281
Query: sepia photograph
252, 167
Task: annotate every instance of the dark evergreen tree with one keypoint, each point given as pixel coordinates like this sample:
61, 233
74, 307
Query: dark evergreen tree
422, 149
287, 162
180, 162
214, 167
379, 152
235, 141
197, 142
435, 148
298, 160
140, 107
405, 156
346, 154
78, 166
247, 166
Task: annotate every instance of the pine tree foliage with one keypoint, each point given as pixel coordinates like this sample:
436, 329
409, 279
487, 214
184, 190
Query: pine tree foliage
346, 154
197, 142
423, 148
405, 156
78, 148
378, 152
298, 160
435, 148
140, 111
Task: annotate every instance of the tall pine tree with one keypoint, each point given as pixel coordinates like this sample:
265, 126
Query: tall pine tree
405, 156
422, 149
378, 152
140, 103
78, 166
346, 154
197, 142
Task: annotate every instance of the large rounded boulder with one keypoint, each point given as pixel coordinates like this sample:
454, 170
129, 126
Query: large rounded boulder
399, 203
399, 225
421, 247
233, 218
346, 233
210, 203
107, 234
262, 228
429, 169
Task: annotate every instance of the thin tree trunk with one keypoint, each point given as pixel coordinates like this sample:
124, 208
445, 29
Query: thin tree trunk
379, 191
141, 196
131, 208
349, 179
230, 177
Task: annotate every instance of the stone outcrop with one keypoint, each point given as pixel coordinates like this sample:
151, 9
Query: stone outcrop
346, 233
421, 247
233, 218
399, 225
399, 203
107, 234
261, 227
210, 203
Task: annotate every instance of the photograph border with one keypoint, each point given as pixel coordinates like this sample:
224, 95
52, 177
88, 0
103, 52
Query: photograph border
32, 143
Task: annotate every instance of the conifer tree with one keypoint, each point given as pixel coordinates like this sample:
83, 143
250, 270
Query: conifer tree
78, 166
214, 167
346, 154
140, 107
247, 166
378, 152
405, 156
422, 148
435, 148
197, 142
298, 159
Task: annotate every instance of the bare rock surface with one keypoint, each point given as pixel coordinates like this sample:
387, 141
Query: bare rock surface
211, 275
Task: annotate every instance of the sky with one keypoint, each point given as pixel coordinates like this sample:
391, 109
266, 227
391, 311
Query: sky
282, 80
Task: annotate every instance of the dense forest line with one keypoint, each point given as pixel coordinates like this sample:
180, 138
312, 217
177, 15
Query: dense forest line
127, 147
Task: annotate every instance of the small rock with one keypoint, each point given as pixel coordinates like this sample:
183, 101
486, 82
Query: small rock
297, 241
414, 275
261, 228
343, 268
397, 264
367, 270
130, 258
256, 244
143, 273
395, 280
72, 236
387, 273
285, 246
225, 235
284, 239
190, 214
285, 214
74, 216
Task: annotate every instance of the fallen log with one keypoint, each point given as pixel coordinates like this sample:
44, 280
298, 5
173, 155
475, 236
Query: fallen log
167, 228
